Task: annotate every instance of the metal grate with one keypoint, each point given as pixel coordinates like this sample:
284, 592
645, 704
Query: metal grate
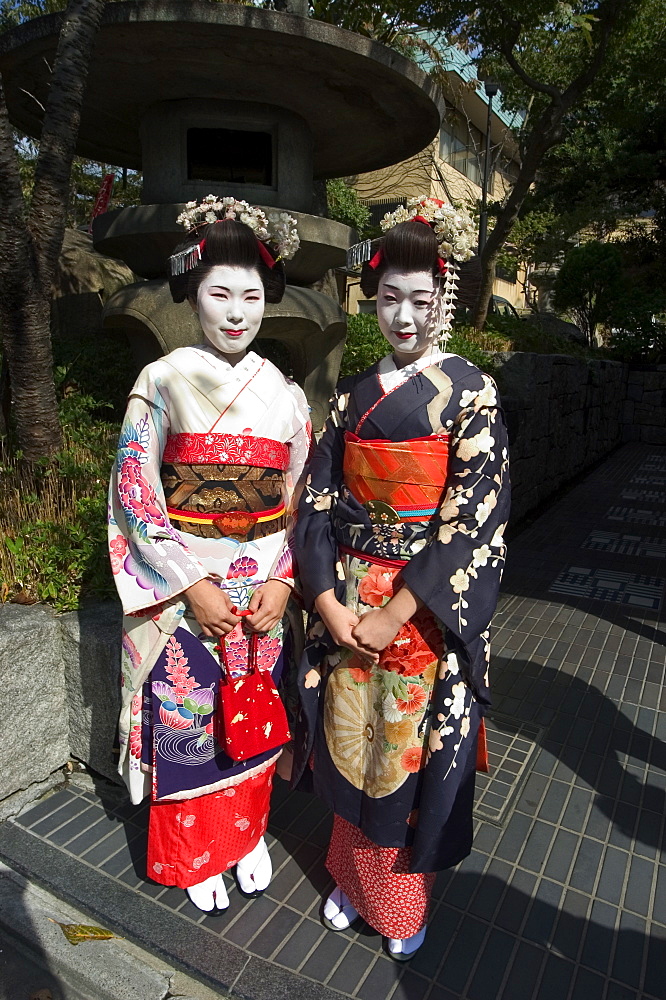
511, 745
654, 462
647, 496
649, 479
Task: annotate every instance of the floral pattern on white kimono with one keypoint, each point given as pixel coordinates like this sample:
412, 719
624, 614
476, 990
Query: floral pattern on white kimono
193, 390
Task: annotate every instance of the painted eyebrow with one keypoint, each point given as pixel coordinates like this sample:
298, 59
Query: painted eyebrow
417, 291
223, 288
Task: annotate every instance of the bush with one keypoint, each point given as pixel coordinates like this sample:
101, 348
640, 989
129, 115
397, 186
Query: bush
509, 333
345, 206
53, 518
645, 342
365, 344
99, 370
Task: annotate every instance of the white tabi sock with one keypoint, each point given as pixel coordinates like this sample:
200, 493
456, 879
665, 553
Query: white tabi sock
338, 912
254, 871
221, 895
404, 948
202, 893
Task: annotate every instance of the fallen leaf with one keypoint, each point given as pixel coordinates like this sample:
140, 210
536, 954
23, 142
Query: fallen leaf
76, 933
42, 995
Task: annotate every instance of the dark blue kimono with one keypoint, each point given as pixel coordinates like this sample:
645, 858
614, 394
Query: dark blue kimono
393, 748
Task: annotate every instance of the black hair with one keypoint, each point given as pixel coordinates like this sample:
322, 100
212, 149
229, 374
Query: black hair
227, 242
409, 246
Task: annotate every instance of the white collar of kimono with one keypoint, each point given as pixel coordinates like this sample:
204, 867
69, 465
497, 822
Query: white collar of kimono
251, 360
390, 376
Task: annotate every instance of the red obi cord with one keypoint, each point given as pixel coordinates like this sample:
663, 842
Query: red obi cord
227, 449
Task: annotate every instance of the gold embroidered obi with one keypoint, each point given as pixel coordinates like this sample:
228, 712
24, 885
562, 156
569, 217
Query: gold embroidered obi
239, 498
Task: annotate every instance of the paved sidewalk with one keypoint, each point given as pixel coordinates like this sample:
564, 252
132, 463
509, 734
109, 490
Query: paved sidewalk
564, 895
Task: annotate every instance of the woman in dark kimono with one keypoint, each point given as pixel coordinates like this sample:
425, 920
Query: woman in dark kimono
401, 551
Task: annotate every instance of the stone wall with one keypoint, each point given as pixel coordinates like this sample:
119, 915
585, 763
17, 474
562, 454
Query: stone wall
563, 415
645, 405
60, 677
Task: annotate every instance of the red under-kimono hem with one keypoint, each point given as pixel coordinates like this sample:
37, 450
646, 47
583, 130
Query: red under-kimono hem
378, 882
190, 840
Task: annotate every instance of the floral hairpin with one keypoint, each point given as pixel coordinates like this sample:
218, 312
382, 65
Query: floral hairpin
277, 229
454, 229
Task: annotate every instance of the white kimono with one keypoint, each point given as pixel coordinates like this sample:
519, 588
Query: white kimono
228, 410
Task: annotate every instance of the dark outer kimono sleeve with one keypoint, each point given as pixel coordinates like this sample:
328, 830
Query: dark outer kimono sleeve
457, 574
316, 546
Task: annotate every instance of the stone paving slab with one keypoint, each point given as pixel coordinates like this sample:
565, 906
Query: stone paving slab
564, 894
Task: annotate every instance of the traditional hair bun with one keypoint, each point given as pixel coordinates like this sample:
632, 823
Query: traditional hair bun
225, 242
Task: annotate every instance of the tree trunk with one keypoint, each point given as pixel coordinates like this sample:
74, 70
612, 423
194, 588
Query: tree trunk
30, 242
48, 213
24, 314
507, 218
546, 132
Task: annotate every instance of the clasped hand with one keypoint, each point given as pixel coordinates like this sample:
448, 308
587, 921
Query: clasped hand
366, 635
212, 608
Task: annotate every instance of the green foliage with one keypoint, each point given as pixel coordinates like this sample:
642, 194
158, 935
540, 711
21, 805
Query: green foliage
13, 12
365, 344
385, 22
621, 171
345, 206
589, 284
53, 520
85, 181
618, 286
94, 373
53, 517
461, 342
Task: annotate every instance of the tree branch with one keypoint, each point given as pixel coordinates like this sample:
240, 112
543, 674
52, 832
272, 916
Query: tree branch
506, 48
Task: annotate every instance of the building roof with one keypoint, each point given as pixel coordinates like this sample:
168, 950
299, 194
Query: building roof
462, 65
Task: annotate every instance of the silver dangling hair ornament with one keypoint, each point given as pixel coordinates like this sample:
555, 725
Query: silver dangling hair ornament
358, 255
185, 260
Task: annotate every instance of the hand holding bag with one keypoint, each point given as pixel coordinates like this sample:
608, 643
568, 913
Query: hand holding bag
250, 716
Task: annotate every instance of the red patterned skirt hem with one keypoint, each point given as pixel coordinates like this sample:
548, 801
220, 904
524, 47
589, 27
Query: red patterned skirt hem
378, 882
190, 840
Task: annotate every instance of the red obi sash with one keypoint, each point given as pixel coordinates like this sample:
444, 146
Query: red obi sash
409, 476
226, 449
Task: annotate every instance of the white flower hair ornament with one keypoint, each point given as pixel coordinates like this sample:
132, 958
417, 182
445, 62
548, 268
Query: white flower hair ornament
277, 229
454, 229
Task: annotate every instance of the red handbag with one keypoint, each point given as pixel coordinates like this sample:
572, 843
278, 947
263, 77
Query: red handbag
250, 716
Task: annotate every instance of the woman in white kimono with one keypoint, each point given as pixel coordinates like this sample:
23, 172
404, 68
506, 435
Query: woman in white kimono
213, 446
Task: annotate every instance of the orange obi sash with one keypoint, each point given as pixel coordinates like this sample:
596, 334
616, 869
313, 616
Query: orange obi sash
407, 477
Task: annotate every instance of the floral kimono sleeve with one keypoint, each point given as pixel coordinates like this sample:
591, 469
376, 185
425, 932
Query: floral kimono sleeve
457, 573
315, 538
300, 447
149, 559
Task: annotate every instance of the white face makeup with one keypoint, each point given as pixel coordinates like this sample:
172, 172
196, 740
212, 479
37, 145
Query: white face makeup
408, 311
230, 306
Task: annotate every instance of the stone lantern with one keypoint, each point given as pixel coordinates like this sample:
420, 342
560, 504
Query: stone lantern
209, 97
